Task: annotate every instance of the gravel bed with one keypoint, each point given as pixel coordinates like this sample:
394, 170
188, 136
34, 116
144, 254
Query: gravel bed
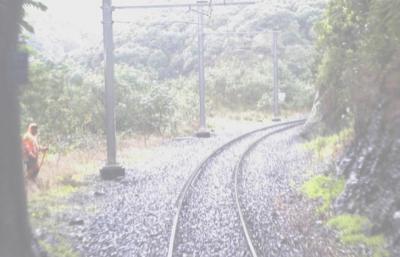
133, 216
209, 223
281, 222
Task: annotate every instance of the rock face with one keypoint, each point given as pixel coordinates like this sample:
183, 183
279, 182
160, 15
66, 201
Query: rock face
372, 169
371, 164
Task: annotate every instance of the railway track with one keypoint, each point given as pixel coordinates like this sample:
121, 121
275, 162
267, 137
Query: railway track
186, 195
238, 171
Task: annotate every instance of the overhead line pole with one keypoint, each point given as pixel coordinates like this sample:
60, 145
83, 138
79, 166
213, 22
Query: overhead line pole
275, 67
112, 169
202, 86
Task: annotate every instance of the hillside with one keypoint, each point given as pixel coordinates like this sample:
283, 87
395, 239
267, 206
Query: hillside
156, 66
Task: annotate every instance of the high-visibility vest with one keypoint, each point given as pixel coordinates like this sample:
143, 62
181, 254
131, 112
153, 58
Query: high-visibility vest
30, 146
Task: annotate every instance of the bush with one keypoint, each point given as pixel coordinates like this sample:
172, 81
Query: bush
352, 232
325, 188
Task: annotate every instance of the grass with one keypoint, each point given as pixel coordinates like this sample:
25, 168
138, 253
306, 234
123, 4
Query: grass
351, 229
68, 168
44, 207
60, 248
62, 175
329, 147
133, 149
225, 120
325, 188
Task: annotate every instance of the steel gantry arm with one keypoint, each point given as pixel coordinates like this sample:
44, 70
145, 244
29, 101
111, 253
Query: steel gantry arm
188, 5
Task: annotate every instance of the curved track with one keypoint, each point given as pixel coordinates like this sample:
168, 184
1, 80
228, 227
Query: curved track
202, 167
239, 169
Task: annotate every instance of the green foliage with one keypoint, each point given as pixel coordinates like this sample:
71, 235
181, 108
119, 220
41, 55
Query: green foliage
48, 202
323, 187
30, 4
63, 105
238, 67
148, 106
44, 207
156, 72
358, 40
352, 232
59, 248
326, 146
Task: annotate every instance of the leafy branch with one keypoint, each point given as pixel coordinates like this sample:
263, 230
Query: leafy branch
30, 4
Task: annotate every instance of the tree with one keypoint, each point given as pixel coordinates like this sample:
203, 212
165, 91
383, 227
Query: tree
358, 41
15, 234
30, 3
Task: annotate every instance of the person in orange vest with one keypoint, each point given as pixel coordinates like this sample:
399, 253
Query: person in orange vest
31, 150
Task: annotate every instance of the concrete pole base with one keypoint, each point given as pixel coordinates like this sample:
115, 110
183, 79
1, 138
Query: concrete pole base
203, 134
110, 172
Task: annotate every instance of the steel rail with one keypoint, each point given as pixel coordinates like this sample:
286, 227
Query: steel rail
193, 177
239, 169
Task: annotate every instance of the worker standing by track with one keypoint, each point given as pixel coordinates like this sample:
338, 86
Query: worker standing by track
31, 150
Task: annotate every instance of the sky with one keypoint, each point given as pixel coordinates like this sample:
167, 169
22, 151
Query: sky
78, 23
75, 15
85, 15
72, 18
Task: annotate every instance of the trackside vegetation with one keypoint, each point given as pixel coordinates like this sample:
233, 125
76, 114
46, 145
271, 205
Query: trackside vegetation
156, 71
325, 188
357, 80
353, 231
